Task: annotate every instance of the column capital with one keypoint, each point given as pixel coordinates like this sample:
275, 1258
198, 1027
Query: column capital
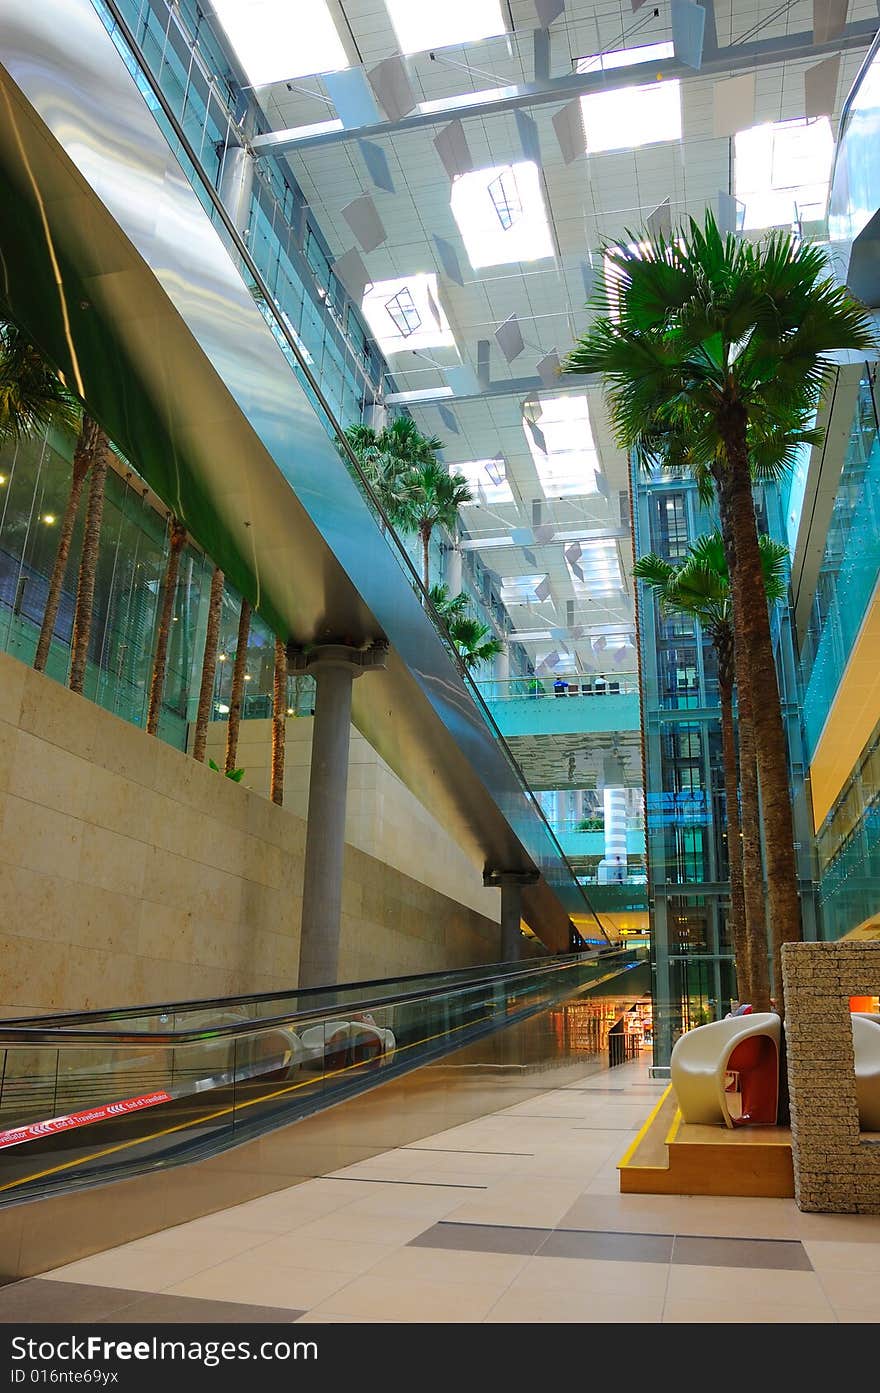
338, 655
493, 879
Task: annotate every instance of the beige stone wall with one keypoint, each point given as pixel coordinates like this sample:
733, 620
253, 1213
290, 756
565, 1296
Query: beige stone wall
129, 873
383, 818
836, 1167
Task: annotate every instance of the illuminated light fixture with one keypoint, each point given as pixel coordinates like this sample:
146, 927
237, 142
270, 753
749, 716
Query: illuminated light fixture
221, 657
406, 313
274, 39
624, 58
628, 117
2, 480
223, 708
247, 677
48, 519
501, 215
423, 24
568, 463
487, 479
290, 711
782, 170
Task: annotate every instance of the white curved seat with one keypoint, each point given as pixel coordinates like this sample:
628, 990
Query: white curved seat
700, 1061
866, 1046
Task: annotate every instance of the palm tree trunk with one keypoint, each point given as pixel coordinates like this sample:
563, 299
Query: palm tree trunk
209, 667
425, 534
176, 541
753, 866
738, 933
752, 630
83, 457
279, 721
88, 566
235, 700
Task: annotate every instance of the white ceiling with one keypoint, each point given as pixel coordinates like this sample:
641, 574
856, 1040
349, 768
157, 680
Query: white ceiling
592, 199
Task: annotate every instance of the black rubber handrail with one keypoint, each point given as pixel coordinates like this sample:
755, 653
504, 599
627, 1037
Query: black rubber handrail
63, 1038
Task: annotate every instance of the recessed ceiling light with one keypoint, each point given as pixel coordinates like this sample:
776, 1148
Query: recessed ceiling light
500, 214
406, 313
627, 117
423, 24
275, 39
782, 170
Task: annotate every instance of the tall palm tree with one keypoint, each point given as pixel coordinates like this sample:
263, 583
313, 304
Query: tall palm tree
431, 497
209, 666
237, 696
734, 336
176, 543
699, 586
88, 567
33, 398
472, 638
386, 456
279, 721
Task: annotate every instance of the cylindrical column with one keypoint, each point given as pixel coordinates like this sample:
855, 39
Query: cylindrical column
237, 185
615, 834
325, 834
453, 570
511, 914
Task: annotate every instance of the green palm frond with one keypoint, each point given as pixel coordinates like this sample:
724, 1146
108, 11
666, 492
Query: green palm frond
32, 396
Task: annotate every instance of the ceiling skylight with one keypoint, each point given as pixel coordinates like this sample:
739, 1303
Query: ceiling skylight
630, 116
423, 24
524, 590
597, 569
275, 40
487, 479
781, 171
624, 58
406, 314
562, 447
500, 214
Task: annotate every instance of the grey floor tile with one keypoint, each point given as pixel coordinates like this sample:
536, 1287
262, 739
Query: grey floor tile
36, 1300
778, 1253
615, 1247
481, 1238
183, 1310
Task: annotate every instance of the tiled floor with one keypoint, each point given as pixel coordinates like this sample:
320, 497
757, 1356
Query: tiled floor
514, 1217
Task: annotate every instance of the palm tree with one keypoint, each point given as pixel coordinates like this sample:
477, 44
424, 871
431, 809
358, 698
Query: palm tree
469, 634
33, 398
237, 695
386, 457
279, 721
431, 496
176, 543
88, 567
699, 586
733, 337
209, 666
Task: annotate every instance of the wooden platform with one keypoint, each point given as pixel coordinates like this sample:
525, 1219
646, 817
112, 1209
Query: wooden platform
670, 1157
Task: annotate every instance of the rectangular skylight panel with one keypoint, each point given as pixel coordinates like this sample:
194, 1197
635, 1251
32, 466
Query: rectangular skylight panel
599, 564
276, 39
406, 313
782, 170
487, 479
564, 451
631, 116
625, 58
500, 214
423, 24
521, 590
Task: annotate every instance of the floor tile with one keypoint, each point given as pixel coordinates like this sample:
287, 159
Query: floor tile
619, 1247
742, 1313
134, 1268
482, 1238
524, 1306
852, 1291
38, 1300
848, 1257
299, 1249
741, 1252
256, 1285
424, 1264
593, 1275
183, 1310
745, 1284
448, 1302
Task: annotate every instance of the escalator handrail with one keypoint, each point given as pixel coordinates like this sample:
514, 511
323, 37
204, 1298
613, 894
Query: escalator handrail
64, 1038
156, 1008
